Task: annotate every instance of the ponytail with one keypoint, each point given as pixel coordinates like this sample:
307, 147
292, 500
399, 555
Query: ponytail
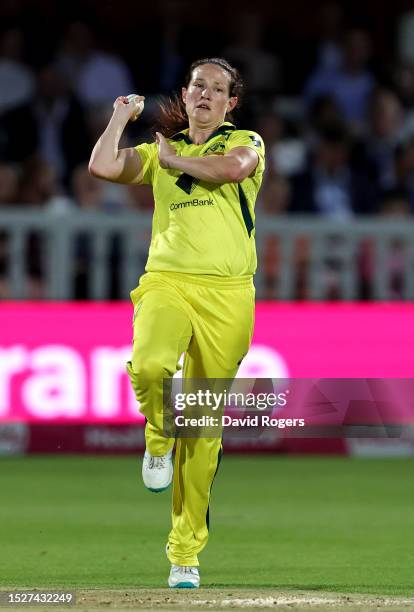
172, 116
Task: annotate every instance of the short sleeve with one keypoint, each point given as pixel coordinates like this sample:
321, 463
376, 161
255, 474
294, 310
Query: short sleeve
247, 138
148, 155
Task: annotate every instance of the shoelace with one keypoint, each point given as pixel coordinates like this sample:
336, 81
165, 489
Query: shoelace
183, 569
156, 462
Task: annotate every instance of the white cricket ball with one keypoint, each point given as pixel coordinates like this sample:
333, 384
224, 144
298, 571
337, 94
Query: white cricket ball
140, 105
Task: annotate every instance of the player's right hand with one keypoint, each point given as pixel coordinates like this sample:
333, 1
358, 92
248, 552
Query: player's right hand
127, 108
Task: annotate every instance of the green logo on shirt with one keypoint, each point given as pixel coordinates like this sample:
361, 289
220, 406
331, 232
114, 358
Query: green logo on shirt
255, 141
195, 202
217, 147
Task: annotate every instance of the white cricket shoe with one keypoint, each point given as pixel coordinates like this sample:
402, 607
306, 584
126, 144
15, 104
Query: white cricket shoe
157, 472
183, 577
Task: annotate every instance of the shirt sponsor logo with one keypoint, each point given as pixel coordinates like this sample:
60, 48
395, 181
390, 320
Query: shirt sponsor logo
215, 149
255, 141
194, 202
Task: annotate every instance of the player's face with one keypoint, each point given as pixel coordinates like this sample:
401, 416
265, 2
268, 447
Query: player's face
207, 97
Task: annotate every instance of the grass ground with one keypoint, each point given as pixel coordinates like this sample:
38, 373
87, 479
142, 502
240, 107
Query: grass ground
278, 525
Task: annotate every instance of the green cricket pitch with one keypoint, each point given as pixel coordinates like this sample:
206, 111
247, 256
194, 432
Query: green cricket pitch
285, 532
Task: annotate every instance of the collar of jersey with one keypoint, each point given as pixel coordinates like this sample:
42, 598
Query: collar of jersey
225, 127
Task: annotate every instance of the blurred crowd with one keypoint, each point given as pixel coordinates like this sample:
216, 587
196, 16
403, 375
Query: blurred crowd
337, 121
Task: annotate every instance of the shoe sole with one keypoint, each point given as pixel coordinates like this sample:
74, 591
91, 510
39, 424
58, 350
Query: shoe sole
159, 490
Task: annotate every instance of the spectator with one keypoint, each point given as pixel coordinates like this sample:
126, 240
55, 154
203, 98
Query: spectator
73, 53
351, 85
16, 78
52, 127
270, 126
9, 184
286, 152
329, 186
323, 113
386, 129
260, 68
9, 181
395, 203
97, 77
92, 194
141, 199
87, 190
275, 195
39, 186
329, 48
172, 61
405, 38
404, 170
403, 79
102, 78
38, 182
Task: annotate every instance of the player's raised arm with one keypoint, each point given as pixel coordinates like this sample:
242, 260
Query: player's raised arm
107, 161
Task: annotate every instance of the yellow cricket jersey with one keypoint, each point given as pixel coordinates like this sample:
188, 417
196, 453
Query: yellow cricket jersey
200, 227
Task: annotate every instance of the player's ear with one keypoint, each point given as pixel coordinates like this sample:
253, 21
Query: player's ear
184, 94
232, 103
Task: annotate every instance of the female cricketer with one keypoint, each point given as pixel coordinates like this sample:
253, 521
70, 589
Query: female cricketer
197, 294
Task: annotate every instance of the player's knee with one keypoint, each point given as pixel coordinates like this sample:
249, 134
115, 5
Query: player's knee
150, 370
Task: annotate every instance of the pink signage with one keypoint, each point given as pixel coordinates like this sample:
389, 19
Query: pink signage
347, 340
65, 362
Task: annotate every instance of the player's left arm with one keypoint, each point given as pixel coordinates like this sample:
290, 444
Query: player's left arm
233, 167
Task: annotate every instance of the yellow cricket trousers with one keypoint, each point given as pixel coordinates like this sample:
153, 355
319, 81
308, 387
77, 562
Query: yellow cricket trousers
211, 320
